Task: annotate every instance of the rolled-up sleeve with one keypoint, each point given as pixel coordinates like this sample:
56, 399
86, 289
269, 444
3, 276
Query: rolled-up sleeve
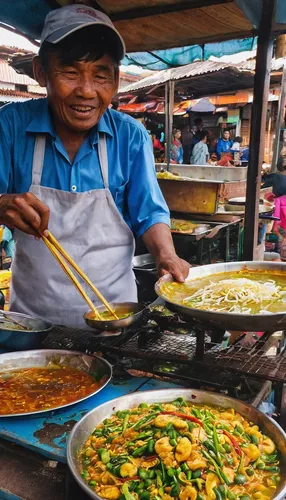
146, 204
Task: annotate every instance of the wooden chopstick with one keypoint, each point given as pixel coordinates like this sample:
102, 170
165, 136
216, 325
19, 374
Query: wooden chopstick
69, 259
72, 277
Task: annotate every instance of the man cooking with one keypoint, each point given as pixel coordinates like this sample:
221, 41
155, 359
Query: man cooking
86, 172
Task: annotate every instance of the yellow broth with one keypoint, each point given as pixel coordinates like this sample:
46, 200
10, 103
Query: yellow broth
214, 293
181, 451
107, 316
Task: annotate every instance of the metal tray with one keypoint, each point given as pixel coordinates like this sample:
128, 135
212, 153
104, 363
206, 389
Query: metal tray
229, 321
92, 365
86, 425
208, 172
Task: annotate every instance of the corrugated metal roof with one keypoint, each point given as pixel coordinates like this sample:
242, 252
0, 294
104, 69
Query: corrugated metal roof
194, 70
9, 75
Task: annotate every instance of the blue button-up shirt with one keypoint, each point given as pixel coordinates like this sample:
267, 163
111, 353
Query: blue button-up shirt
132, 177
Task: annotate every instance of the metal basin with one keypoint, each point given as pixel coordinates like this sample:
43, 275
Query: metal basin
93, 365
86, 425
18, 340
116, 324
229, 321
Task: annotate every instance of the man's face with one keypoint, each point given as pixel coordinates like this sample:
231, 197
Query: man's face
226, 136
80, 93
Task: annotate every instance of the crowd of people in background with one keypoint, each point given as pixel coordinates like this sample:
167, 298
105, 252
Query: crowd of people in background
198, 146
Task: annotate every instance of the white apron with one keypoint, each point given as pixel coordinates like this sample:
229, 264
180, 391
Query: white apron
91, 229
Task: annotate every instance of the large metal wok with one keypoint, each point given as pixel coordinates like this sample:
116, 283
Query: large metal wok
229, 321
86, 425
97, 367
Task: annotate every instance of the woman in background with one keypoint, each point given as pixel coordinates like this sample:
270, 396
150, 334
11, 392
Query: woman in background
177, 147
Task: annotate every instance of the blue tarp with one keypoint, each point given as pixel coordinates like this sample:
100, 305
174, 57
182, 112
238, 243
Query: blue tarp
28, 16
164, 59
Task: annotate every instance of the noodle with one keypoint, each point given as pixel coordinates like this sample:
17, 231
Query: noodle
239, 292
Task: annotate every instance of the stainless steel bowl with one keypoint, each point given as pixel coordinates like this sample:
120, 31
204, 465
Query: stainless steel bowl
229, 321
86, 425
19, 340
97, 367
116, 324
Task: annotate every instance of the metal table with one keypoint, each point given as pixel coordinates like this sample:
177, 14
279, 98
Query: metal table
46, 436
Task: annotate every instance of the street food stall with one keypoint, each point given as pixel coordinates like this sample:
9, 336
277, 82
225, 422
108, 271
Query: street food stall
202, 436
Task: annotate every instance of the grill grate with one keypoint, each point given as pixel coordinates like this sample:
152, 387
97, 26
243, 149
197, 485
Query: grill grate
153, 342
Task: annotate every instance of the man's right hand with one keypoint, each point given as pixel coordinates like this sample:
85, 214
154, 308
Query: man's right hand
25, 212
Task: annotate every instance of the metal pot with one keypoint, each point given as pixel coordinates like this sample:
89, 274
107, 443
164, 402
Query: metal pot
86, 425
18, 340
97, 367
116, 324
229, 321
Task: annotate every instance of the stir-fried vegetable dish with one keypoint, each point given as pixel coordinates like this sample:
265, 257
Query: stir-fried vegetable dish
35, 389
180, 451
242, 292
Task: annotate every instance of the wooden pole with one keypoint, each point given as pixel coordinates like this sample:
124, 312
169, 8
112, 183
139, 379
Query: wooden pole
257, 131
169, 108
280, 50
280, 112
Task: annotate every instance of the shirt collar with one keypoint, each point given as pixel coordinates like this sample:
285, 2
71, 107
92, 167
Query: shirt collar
42, 123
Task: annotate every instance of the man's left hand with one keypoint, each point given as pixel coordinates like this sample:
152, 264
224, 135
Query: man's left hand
177, 267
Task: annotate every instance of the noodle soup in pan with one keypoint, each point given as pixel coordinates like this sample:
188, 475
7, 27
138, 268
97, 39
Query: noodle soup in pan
239, 292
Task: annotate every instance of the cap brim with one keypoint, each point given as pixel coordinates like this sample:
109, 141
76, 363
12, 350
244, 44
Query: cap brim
65, 31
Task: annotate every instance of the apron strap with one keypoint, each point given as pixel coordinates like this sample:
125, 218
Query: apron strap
38, 159
103, 158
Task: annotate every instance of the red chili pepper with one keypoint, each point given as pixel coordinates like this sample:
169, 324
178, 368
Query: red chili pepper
234, 442
183, 415
125, 479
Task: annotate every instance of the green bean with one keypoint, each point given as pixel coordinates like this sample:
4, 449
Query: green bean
250, 472
189, 475
244, 497
140, 486
223, 478
184, 467
144, 420
230, 495
151, 474
217, 494
148, 483
125, 422
254, 439
173, 442
84, 474
272, 468
151, 446
139, 452
143, 405
196, 474
145, 495
260, 465
126, 492
240, 479
179, 402
175, 491
171, 472
159, 481
122, 414
222, 490
143, 474
92, 483
227, 447
216, 441
104, 455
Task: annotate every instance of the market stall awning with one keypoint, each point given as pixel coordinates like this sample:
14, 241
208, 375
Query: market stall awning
152, 25
200, 79
181, 108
